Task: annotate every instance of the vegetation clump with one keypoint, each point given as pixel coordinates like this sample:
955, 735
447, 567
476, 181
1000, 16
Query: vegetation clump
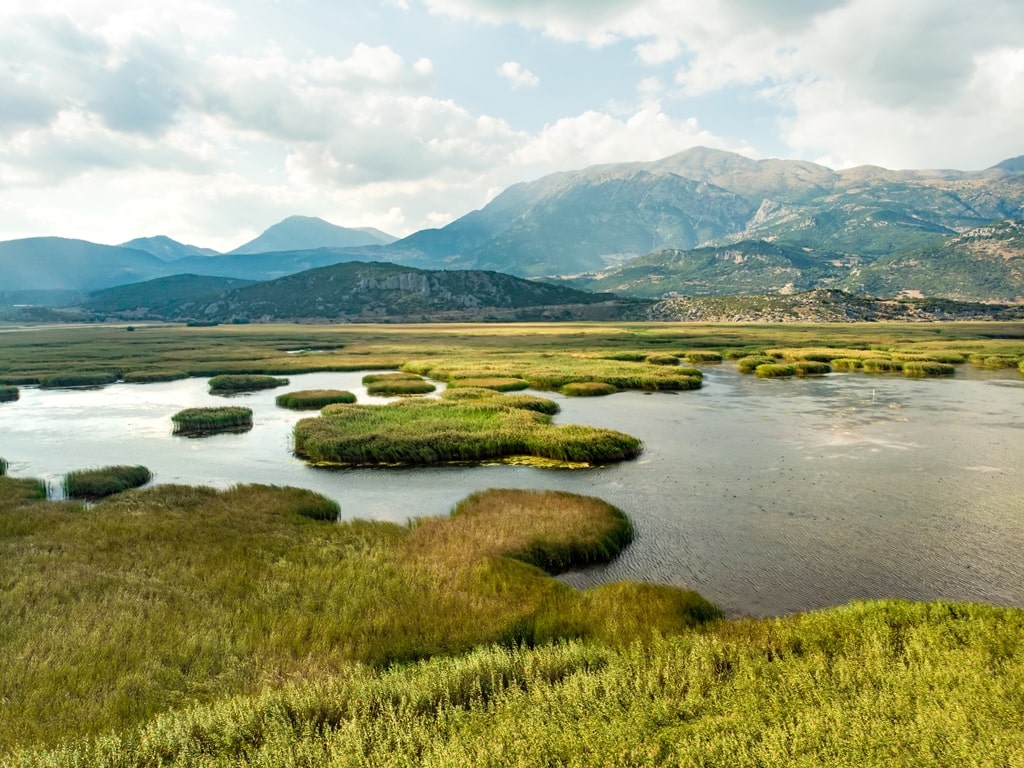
8, 393
424, 432
202, 421
588, 389
662, 358
702, 356
153, 376
750, 363
77, 379
995, 362
313, 399
373, 378
881, 365
105, 481
230, 383
928, 368
497, 383
400, 384
3, 466
847, 364
775, 370
811, 368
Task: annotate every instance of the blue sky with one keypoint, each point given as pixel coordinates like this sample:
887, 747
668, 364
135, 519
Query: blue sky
210, 120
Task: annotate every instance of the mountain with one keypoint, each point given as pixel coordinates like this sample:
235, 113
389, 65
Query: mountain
56, 263
167, 249
593, 219
270, 265
361, 291
306, 233
163, 297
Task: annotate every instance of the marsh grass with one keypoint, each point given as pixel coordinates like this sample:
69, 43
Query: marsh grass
750, 363
99, 483
811, 368
77, 379
995, 362
8, 393
662, 358
588, 389
167, 597
313, 399
438, 431
497, 383
928, 368
233, 383
374, 378
400, 387
847, 364
881, 365
3, 466
16, 493
153, 376
775, 370
202, 421
701, 356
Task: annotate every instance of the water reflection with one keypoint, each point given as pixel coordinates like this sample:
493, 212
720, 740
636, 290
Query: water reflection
766, 496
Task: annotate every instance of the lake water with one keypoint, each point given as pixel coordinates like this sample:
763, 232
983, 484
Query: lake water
767, 496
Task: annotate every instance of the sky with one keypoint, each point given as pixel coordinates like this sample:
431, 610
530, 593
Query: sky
210, 120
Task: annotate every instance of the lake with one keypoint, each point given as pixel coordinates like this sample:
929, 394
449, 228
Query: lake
767, 496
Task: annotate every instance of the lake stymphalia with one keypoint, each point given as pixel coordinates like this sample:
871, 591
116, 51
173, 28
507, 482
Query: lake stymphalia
767, 496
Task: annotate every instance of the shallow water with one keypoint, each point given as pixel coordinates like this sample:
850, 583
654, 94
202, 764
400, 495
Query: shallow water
766, 496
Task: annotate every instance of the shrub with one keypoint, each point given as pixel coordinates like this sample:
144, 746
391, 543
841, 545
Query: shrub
8, 393
588, 389
199, 421
150, 377
924, 368
775, 370
239, 382
811, 368
78, 379
749, 364
313, 399
882, 365
662, 358
105, 481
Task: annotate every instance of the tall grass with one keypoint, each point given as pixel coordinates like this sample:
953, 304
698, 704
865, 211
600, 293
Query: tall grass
104, 481
662, 358
497, 383
750, 363
231, 383
775, 370
3, 466
8, 393
881, 365
313, 399
811, 368
588, 389
928, 368
400, 387
423, 432
702, 356
77, 379
153, 376
199, 421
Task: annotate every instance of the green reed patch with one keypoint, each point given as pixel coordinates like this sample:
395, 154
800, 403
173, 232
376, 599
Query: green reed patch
881, 365
927, 368
8, 393
811, 368
16, 493
374, 378
662, 358
3, 466
995, 362
750, 363
153, 376
229, 383
775, 370
77, 379
701, 356
847, 364
437, 431
313, 399
588, 389
199, 421
104, 481
497, 383
403, 387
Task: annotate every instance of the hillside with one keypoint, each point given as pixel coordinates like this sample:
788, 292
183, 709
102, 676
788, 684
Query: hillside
167, 249
55, 263
381, 291
162, 297
306, 232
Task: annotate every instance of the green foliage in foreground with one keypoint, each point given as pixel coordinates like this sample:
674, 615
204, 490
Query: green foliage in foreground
8, 393
153, 376
423, 432
77, 379
204, 420
163, 597
313, 399
588, 389
104, 481
871, 685
229, 383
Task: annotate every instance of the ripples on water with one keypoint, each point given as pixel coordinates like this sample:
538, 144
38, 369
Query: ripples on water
766, 496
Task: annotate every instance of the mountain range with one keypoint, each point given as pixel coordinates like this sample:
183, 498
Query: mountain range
701, 222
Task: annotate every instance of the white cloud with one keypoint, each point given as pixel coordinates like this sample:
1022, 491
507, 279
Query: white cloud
517, 76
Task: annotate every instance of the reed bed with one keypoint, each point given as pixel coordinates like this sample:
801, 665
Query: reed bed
701, 356
497, 383
662, 358
588, 389
881, 365
928, 368
78, 379
15, 495
995, 362
811, 368
233, 383
99, 483
750, 363
200, 421
313, 399
374, 378
526, 402
847, 364
154, 376
400, 387
424, 432
775, 370
8, 393
3, 466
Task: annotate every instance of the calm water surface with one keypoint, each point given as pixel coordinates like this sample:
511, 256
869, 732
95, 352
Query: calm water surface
766, 496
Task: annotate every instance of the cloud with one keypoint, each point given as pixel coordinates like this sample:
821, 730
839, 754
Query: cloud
517, 76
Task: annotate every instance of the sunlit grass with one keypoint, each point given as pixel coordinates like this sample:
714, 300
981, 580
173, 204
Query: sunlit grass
588, 389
